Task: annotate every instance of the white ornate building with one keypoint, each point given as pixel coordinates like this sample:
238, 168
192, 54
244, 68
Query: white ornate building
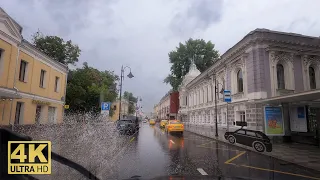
264, 68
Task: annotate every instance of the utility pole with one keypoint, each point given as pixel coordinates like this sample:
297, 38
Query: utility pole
215, 103
130, 75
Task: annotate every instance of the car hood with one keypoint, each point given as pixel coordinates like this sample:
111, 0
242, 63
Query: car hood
187, 177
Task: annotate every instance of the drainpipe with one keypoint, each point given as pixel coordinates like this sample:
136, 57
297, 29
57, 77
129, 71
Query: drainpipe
65, 95
14, 84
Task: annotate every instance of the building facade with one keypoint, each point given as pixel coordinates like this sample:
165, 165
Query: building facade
124, 109
168, 106
32, 85
265, 68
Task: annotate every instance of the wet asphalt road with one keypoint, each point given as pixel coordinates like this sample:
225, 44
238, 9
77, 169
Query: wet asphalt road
152, 153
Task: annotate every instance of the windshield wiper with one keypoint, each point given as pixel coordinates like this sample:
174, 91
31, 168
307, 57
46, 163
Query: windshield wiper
8, 135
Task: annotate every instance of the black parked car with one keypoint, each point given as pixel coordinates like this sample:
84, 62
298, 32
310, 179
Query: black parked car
127, 126
256, 139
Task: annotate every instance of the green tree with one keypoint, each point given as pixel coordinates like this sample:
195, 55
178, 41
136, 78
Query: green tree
56, 48
132, 100
201, 52
87, 87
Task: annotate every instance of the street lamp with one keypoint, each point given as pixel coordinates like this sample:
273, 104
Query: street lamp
216, 101
130, 75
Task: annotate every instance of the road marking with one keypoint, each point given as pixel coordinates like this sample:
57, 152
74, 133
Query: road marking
292, 174
132, 139
237, 156
207, 143
202, 172
172, 141
219, 148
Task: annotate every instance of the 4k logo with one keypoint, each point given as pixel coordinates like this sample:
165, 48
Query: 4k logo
29, 157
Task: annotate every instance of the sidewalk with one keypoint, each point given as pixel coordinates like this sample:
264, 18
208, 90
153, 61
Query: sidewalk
304, 155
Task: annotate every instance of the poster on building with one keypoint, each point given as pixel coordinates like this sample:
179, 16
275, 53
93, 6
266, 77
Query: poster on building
274, 124
298, 120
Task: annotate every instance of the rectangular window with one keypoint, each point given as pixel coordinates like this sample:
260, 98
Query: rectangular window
38, 114
42, 78
23, 71
1, 61
57, 84
186, 101
242, 116
19, 113
52, 115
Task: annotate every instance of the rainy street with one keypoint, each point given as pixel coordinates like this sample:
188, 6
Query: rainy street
153, 153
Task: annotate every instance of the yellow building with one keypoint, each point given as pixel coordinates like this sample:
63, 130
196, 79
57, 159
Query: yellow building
124, 109
32, 85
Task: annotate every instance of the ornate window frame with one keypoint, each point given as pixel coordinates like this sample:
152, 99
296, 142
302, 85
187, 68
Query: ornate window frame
238, 65
314, 62
286, 60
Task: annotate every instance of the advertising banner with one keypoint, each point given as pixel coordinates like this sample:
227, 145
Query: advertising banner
298, 119
274, 124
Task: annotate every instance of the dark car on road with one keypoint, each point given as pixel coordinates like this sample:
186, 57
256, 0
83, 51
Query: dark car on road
256, 139
127, 126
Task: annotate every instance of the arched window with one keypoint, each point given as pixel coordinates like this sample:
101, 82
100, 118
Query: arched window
280, 76
240, 81
312, 78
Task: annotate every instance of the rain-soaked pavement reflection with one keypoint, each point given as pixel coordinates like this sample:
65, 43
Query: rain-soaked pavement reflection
153, 153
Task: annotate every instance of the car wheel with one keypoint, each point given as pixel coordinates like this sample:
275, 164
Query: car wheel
258, 146
232, 139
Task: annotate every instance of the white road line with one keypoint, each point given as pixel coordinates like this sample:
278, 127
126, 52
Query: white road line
172, 142
202, 172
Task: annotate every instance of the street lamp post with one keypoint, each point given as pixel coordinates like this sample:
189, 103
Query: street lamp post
130, 75
216, 102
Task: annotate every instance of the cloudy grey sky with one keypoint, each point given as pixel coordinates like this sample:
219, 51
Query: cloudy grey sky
140, 33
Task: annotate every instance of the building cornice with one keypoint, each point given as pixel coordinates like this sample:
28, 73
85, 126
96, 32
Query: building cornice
301, 43
37, 54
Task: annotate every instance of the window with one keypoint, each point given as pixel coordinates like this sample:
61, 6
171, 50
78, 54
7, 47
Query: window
23, 71
57, 84
52, 115
242, 116
280, 76
207, 93
250, 133
1, 61
19, 113
42, 77
240, 81
186, 101
38, 114
312, 78
240, 132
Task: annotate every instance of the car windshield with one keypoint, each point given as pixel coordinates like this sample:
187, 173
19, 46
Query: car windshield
153, 88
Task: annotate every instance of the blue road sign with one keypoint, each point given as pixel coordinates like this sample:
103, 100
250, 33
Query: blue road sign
227, 96
105, 106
